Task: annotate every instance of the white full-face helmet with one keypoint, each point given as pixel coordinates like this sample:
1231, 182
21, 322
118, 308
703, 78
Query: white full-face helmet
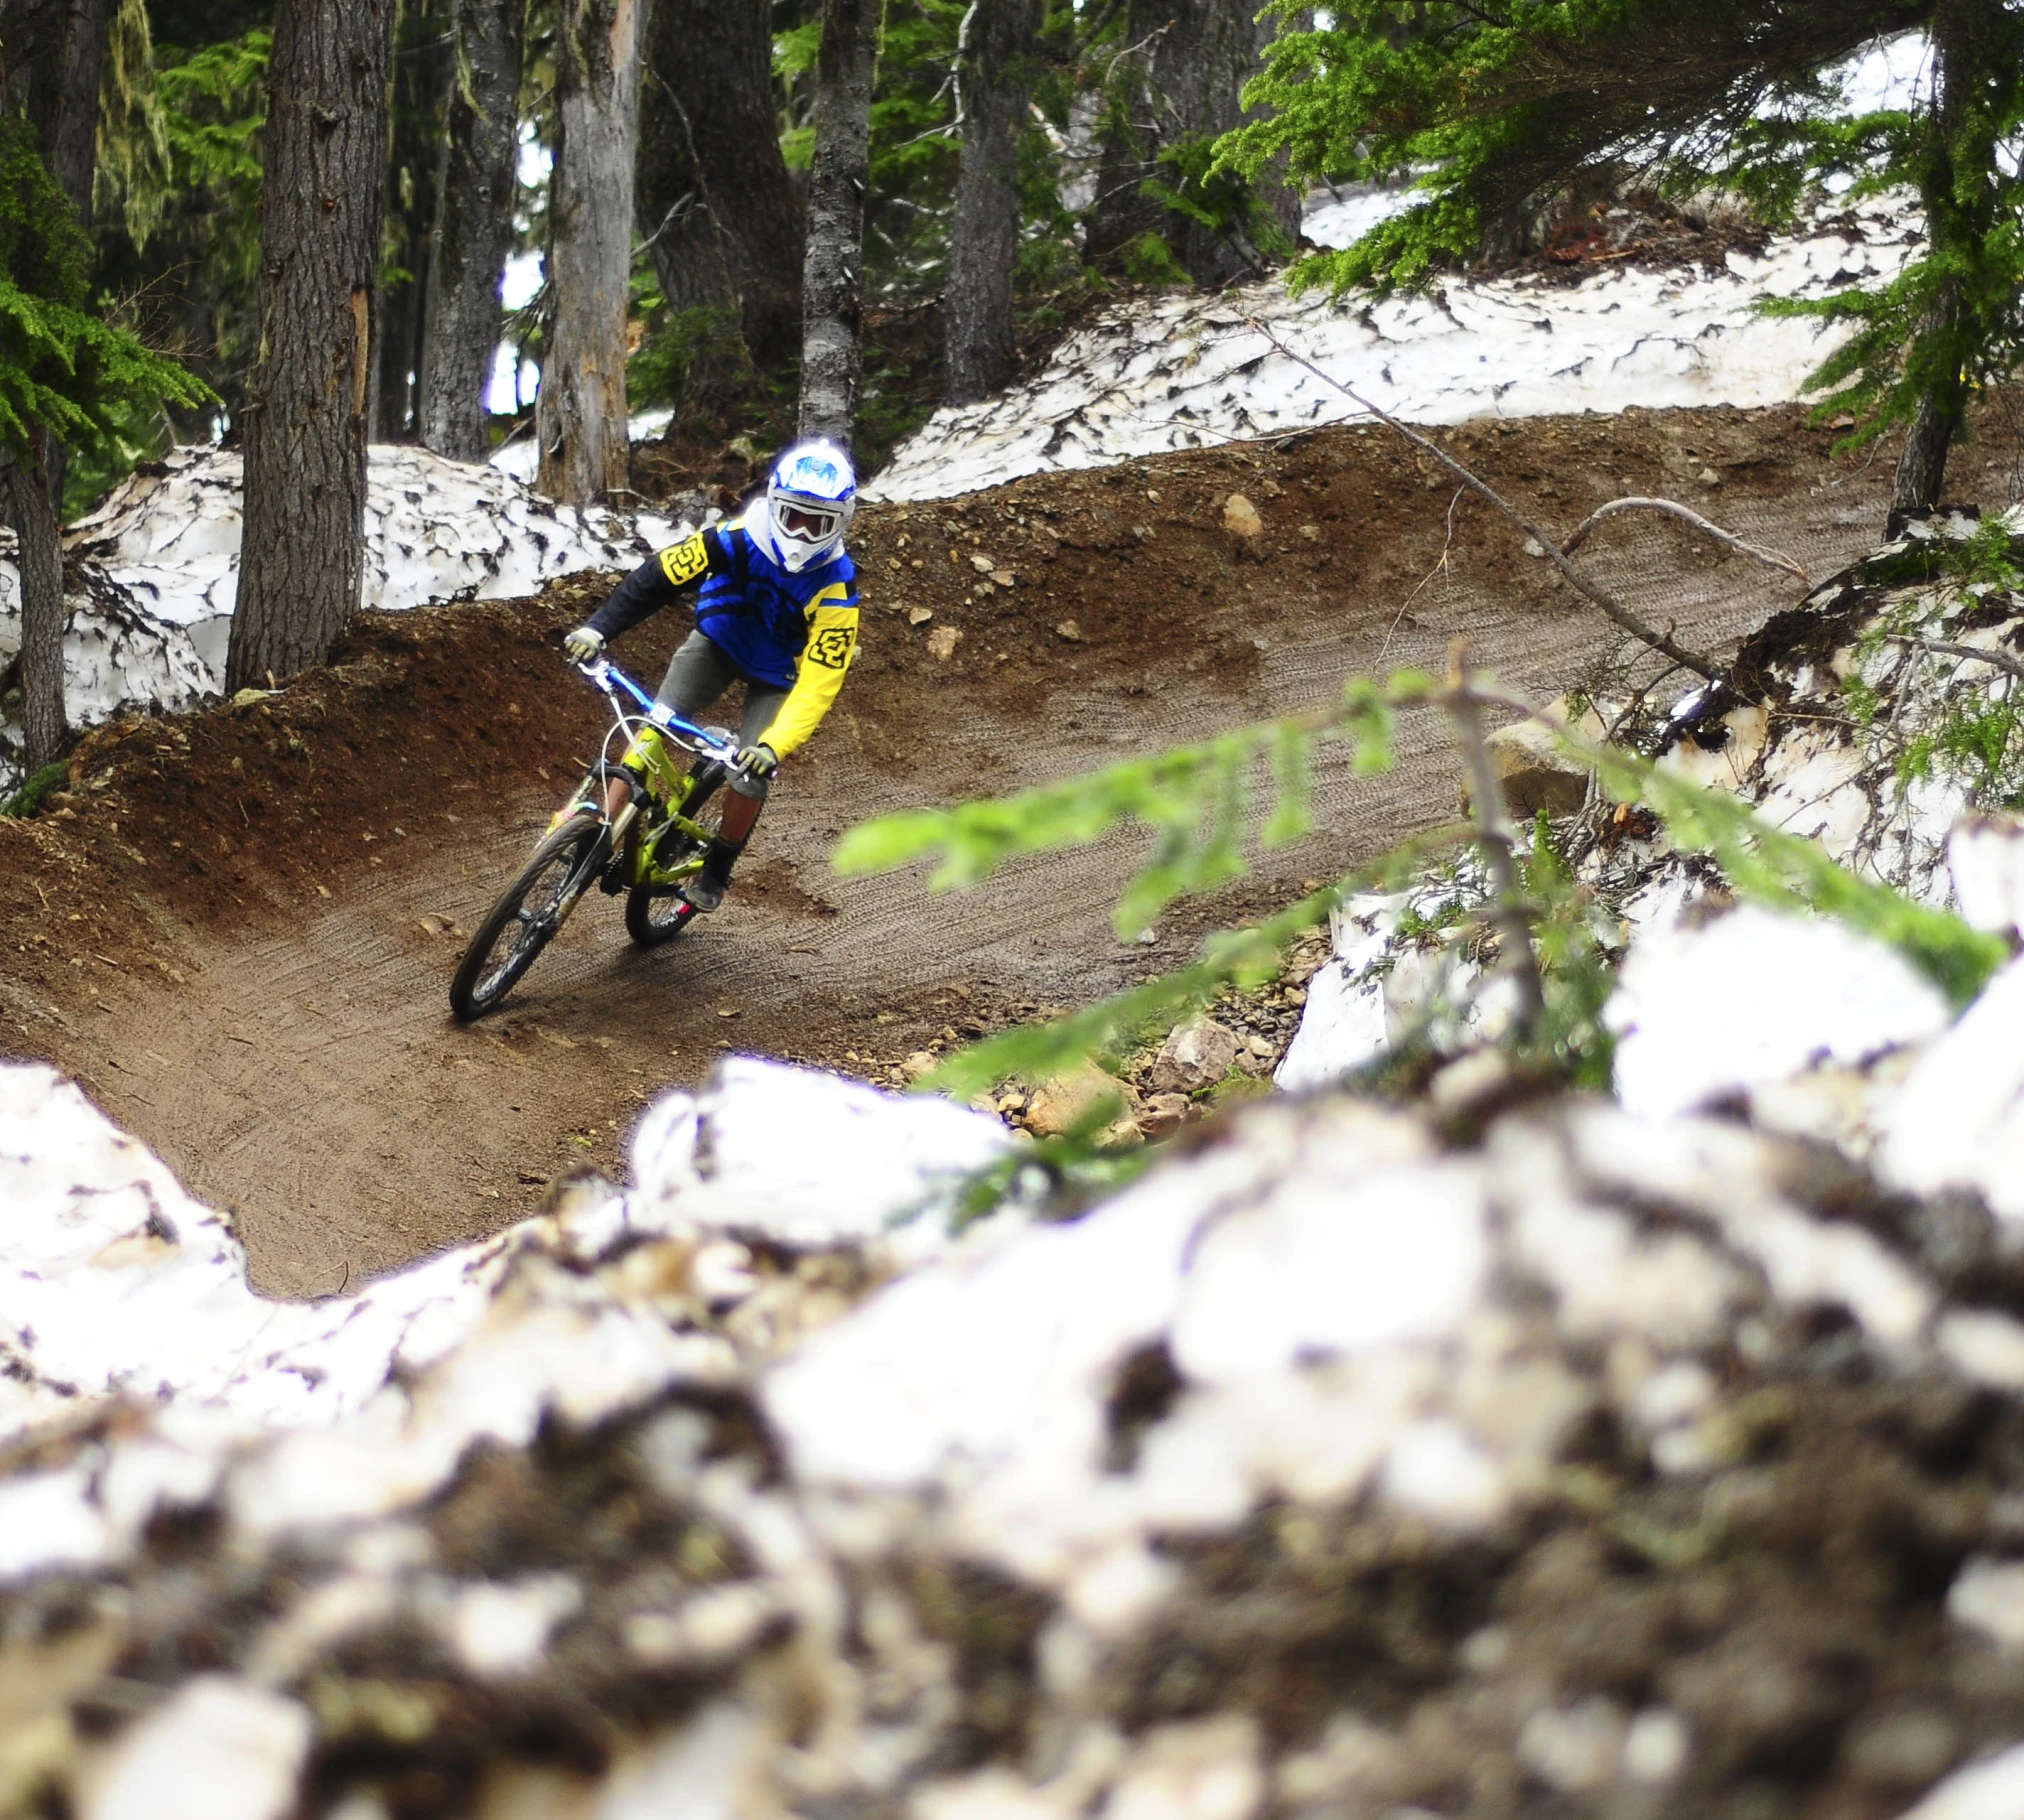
810, 497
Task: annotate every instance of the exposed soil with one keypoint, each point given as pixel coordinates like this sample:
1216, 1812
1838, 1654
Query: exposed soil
236, 927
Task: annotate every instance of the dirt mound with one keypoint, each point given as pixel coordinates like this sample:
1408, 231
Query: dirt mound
236, 927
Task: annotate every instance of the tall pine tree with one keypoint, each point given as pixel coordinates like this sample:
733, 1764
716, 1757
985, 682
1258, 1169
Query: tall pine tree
303, 558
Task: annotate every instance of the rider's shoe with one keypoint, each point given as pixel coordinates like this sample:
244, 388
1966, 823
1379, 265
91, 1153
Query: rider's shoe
705, 891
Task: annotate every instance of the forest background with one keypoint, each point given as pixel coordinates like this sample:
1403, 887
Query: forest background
300, 215
176, 222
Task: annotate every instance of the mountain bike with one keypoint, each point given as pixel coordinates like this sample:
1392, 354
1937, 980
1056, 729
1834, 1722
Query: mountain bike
674, 772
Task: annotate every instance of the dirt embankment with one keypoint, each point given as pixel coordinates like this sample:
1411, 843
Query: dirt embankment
236, 927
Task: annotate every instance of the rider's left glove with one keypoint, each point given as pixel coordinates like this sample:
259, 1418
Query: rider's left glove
583, 645
758, 761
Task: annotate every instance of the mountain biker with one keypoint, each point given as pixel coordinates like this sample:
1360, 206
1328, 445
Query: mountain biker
776, 610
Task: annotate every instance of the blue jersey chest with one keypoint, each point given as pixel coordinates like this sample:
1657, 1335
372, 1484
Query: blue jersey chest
756, 612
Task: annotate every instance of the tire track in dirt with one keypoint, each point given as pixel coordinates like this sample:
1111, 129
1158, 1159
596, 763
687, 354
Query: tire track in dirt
310, 1079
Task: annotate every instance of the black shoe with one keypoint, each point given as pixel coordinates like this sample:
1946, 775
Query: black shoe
706, 890
703, 892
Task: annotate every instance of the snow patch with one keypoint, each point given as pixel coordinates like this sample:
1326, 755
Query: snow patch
1190, 372
155, 569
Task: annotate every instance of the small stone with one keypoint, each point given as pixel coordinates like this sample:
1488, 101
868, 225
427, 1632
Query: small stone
1004, 577
1574, 1748
919, 616
942, 643
981, 563
1311, 532
1065, 1101
1070, 631
1533, 768
1655, 1747
1709, 478
918, 1064
1164, 1112
1534, 548
1196, 1054
1988, 1597
1240, 518
1907, 1748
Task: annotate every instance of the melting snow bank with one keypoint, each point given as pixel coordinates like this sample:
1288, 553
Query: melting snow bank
1188, 372
1569, 1457
154, 572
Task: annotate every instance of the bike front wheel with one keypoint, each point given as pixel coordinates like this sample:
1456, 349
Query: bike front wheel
529, 912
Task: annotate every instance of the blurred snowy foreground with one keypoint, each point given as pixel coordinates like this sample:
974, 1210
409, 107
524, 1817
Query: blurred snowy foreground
1608, 1456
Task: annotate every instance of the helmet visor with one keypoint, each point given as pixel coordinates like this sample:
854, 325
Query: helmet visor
807, 523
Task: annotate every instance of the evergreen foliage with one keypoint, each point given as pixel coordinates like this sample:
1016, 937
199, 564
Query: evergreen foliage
1196, 801
1497, 111
178, 193
63, 366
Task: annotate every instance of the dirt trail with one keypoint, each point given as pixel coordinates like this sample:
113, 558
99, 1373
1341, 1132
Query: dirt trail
265, 1003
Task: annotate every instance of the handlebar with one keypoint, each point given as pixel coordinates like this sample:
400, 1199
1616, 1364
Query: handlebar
603, 674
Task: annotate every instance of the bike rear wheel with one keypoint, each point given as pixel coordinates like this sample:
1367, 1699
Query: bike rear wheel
527, 915
654, 916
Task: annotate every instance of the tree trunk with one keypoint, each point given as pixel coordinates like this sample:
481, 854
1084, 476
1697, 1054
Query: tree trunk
54, 52
832, 300
1922, 467
424, 68
1973, 55
580, 414
1181, 84
996, 76
55, 49
477, 187
715, 200
31, 509
305, 418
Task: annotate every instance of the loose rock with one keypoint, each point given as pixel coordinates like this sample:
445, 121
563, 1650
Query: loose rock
1196, 1054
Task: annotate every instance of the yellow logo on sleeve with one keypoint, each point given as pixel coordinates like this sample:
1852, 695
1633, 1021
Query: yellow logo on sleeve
830, 647
686, 560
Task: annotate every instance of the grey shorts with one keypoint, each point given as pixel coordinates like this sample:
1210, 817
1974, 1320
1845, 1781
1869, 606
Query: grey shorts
698, 674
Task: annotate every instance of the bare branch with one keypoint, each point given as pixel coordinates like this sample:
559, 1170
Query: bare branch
1617, 612
1493, 836
1775, 559
2001, 660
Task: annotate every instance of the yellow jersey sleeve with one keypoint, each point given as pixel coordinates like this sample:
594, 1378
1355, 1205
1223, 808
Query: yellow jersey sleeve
819, 672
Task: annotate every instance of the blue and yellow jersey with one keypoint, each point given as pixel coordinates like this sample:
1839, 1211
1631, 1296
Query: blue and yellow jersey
785, 631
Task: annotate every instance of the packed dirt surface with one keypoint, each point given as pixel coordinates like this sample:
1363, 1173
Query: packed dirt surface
236, 928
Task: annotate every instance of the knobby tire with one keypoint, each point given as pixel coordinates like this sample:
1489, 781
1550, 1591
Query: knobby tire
536, 902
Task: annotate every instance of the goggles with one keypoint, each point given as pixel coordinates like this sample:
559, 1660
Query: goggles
805, 522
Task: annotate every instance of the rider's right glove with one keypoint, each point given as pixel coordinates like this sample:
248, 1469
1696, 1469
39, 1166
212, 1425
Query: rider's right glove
583, 645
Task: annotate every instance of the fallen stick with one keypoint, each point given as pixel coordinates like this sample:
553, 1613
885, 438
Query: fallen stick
1773, 559
1614, 609
1493, 836
2001, 660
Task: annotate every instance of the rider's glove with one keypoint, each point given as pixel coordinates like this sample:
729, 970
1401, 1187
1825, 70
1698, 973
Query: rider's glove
583, 645
758, 761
